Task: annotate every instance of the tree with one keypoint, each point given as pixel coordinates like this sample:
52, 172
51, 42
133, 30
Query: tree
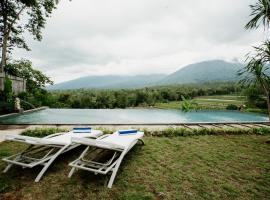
257, 70
12, 26
188, 105
35, 79
260, 12
35, 83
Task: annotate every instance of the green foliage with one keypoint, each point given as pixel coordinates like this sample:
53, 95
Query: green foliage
257, 69
260, 13
35, 82
255, 97
232, 107
83, 98
6, 97
184, 132
35, 79
8, 90
257, 72
188, 105
42, 132
168, 132
13, 25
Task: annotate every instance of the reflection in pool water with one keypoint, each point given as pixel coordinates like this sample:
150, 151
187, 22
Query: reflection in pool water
129, 116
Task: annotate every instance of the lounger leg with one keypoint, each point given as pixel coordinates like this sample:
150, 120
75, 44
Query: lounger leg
49, 163
115, 169
81, 156
141, 140
7, 167
71, 172
10, 164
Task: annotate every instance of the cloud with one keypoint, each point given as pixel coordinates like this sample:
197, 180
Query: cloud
89, 37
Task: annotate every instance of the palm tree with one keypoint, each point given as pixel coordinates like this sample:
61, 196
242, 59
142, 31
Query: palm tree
260, 12
257, 70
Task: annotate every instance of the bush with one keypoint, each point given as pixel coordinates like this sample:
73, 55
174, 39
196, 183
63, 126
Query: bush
232, 107
184, 132
169, 132
42, 132
8, 90
6, 107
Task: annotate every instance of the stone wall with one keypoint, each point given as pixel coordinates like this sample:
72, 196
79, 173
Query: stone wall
18, 84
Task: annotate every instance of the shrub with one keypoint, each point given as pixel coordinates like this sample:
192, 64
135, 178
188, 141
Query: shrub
42, 132
184, 132
8, 90
232, 107
169, 132
6, 107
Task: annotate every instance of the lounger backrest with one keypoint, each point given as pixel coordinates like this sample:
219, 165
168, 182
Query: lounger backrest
113, 141
96, 143
66, 138
124, 140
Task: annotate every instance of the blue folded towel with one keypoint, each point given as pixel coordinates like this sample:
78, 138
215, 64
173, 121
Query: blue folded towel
125, 132
82, 130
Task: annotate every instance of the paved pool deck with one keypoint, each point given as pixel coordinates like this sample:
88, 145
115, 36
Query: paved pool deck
3, 133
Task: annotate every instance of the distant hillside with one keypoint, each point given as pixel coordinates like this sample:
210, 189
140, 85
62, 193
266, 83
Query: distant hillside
109, 82
208, 71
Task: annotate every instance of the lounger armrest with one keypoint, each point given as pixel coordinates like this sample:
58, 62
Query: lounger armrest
97, 143
22, 138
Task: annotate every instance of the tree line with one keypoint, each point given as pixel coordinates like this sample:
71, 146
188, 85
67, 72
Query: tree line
123, 98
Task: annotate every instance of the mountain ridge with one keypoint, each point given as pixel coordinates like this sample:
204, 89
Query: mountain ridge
206, 71
109, 82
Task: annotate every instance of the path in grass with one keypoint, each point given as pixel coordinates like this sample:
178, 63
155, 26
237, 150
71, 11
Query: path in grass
202, 167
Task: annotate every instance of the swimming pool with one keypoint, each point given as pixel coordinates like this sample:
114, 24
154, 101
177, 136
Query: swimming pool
129, 116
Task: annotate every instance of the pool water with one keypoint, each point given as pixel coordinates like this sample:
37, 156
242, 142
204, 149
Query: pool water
129, 116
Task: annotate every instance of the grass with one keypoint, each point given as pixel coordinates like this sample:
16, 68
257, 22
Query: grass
198, 167
216, 102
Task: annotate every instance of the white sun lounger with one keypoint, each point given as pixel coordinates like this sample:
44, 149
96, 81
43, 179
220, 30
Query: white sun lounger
119, 144
50, 147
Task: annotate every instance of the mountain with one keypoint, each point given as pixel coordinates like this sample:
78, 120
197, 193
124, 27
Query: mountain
207, 71
109, 82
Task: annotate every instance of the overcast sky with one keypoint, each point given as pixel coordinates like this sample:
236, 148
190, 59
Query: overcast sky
101, 37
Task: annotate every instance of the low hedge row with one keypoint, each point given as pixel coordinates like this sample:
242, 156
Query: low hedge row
42, 132
175, 132
169, 132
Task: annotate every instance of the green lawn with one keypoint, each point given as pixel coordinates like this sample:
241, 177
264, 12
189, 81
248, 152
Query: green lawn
198, 167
